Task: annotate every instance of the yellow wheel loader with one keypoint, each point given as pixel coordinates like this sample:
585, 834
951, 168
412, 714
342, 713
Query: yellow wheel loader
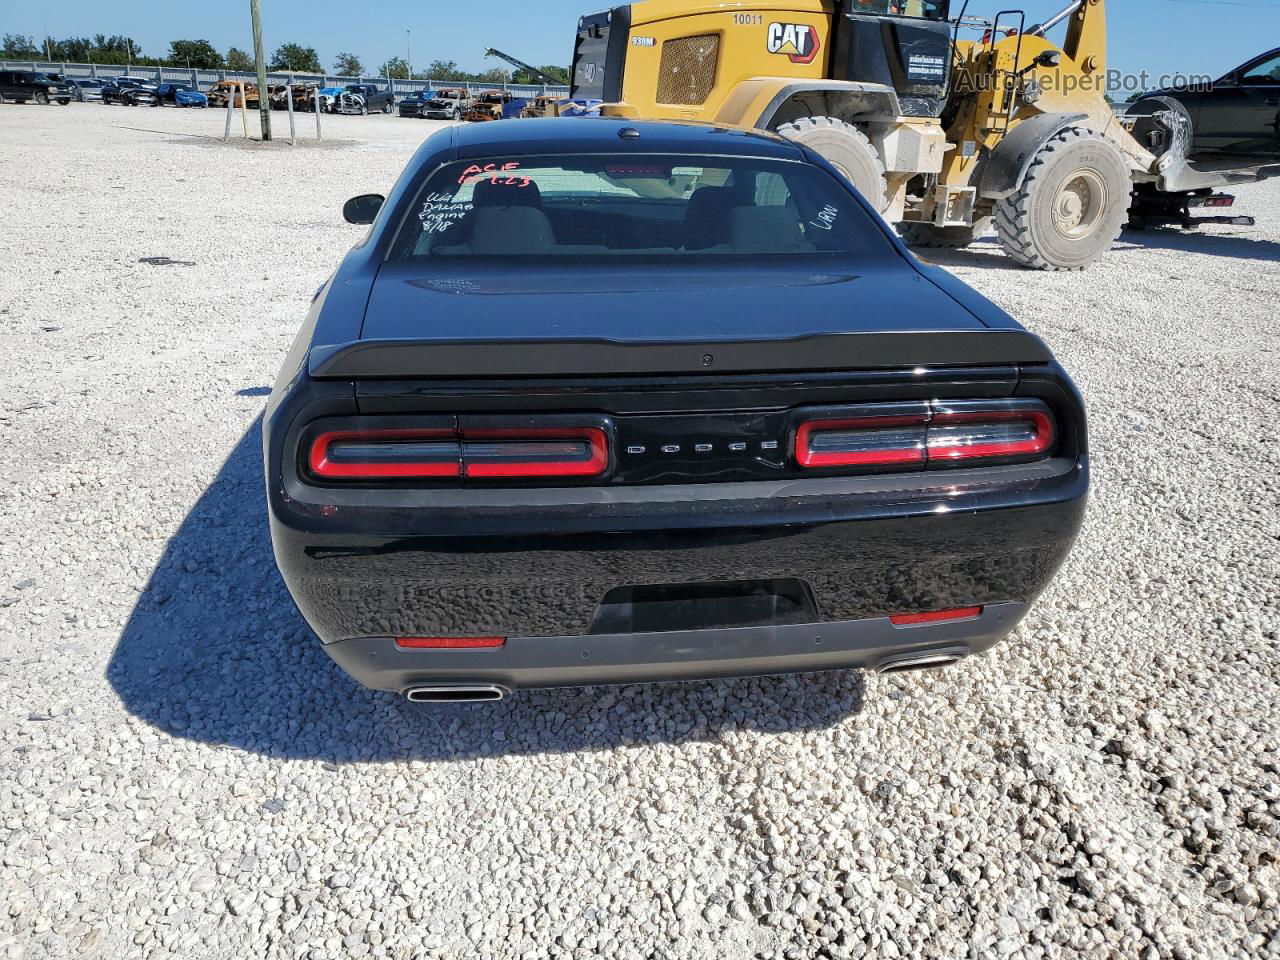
946, 137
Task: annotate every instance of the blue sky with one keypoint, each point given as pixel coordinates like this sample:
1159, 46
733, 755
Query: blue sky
1158, 36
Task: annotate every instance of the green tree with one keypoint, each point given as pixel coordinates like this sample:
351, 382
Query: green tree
558, 75
118, 50
348, 65
196, 53
396, 68
492, 75
18, 47
238, 60
296, 59
441, 70
73, 49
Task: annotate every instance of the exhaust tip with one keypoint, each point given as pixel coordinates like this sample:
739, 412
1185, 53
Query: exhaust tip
931, 660
456, 693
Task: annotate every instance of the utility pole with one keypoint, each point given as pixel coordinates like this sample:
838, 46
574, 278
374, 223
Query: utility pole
264, 103
408, 52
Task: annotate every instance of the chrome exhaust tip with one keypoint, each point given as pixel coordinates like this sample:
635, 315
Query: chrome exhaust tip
924, 660
456, 693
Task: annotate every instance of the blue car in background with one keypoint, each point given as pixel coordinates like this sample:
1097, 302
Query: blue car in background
180, 95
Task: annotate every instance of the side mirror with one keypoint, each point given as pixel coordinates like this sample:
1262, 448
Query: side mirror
1049, 58
363, 209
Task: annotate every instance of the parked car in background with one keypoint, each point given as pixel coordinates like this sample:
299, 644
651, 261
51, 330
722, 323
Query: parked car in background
448, 104
545, 105
1236, 117
493, 105
374, 98
224, 90
87, 89
329, 98
30, 86
181, 95
130, 91
415, 104
302, 94
670, 471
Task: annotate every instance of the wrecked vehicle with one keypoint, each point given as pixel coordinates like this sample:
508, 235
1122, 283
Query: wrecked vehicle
491, 105
448, 104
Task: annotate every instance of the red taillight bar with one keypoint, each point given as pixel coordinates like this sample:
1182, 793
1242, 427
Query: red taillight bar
1019, 428
595, 463
496, 453
903, 449
449, 643
935, 616
1040, 441
323, 465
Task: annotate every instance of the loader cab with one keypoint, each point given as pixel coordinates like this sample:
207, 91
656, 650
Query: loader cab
903, 44
687, 58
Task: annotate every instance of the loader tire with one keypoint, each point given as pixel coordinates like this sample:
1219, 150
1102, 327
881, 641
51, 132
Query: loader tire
929, 235
847, 149
1071, 206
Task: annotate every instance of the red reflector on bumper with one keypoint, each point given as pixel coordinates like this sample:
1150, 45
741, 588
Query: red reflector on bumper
449, 643
935, 616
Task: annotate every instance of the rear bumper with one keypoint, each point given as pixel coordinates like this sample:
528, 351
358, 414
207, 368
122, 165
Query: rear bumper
523, 662
535, 565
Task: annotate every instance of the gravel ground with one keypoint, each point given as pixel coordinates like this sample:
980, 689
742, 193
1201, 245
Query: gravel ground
184, 773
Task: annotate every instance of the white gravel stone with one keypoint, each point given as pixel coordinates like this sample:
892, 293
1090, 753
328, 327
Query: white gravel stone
186, 773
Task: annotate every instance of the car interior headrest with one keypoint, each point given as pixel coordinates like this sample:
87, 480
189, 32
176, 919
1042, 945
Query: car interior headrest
764, 230
498, 193
705, 217
503, 230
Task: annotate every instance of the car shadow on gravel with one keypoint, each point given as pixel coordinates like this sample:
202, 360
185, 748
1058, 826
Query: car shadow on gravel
215, 651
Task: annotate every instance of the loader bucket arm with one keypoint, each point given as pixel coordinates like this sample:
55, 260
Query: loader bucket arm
1086, 42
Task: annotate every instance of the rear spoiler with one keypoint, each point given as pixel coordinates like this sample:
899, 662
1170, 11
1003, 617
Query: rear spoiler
368, 359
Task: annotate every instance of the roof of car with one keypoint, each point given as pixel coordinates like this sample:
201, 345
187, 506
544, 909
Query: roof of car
573, 134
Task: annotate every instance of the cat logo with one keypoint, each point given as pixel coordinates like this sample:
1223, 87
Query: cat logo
798, 41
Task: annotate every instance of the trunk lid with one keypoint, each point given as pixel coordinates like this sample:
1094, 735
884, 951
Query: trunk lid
557, 320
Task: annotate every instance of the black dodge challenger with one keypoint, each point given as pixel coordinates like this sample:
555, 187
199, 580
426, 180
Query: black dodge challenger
606, 401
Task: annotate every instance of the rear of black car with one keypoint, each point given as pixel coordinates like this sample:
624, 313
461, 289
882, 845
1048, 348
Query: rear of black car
569, 468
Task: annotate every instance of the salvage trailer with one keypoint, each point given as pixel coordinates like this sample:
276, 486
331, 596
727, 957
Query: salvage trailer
948, 138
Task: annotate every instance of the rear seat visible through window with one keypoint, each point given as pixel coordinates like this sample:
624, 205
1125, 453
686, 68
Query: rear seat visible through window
600, 206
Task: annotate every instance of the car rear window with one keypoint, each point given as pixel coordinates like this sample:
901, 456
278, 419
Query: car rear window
604, 206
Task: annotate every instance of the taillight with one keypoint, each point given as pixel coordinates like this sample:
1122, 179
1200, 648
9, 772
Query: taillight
915, 436
966, 432
481, 453
383, 454
548, 452
862, 441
